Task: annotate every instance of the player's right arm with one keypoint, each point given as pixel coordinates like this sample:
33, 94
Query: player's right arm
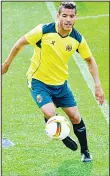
15, 50
31, 38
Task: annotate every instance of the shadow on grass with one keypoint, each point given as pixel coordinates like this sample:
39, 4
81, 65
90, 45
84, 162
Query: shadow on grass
72, 168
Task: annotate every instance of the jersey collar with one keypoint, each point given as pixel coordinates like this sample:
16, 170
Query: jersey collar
56, 27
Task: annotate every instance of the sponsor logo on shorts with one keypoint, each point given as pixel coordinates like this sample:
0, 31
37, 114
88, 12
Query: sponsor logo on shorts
39, 98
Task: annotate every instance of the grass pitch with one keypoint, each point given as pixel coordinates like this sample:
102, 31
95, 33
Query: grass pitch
22, 122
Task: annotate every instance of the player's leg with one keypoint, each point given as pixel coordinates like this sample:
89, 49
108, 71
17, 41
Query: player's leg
79, 130
67, 102
49, 111
42, 97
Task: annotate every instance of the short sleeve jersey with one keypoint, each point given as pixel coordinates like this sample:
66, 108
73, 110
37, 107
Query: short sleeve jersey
49, 62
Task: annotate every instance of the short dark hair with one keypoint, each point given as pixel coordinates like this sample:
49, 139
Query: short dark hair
67, 5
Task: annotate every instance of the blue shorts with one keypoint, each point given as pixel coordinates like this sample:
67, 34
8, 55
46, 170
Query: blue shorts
60, 95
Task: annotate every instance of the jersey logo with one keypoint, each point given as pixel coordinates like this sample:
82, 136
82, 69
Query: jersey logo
68, 47
53, 42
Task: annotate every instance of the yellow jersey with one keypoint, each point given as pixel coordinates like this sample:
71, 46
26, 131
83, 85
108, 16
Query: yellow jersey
49, 62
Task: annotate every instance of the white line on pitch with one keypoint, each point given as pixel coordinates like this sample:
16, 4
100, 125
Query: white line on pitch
96, 16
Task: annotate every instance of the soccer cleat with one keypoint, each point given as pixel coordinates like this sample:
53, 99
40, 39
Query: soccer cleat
86, 156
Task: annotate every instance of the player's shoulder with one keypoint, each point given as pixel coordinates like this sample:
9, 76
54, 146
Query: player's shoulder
45, 28
48, 28
76, 35
38, 27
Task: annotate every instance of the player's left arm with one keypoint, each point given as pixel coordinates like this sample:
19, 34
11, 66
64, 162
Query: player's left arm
93, 68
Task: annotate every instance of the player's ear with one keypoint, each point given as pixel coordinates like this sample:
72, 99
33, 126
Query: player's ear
57, 16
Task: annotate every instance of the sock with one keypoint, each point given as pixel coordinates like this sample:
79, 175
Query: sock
68, 142
80, 132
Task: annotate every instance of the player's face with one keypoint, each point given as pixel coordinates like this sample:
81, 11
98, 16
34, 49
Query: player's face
66, 18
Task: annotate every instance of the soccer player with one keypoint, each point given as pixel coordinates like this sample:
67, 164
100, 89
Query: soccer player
54, 44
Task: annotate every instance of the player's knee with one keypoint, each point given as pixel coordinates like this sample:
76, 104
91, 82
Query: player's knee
75, 118
48, 110
49, 114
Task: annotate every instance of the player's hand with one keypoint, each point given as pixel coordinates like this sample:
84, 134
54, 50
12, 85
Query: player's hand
99, 94
5, 67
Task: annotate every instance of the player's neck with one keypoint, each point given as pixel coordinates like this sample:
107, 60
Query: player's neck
63, 32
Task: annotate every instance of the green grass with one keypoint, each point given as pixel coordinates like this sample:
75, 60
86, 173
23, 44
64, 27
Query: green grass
22, 122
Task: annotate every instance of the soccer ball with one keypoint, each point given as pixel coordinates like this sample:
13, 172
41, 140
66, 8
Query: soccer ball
57, 127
